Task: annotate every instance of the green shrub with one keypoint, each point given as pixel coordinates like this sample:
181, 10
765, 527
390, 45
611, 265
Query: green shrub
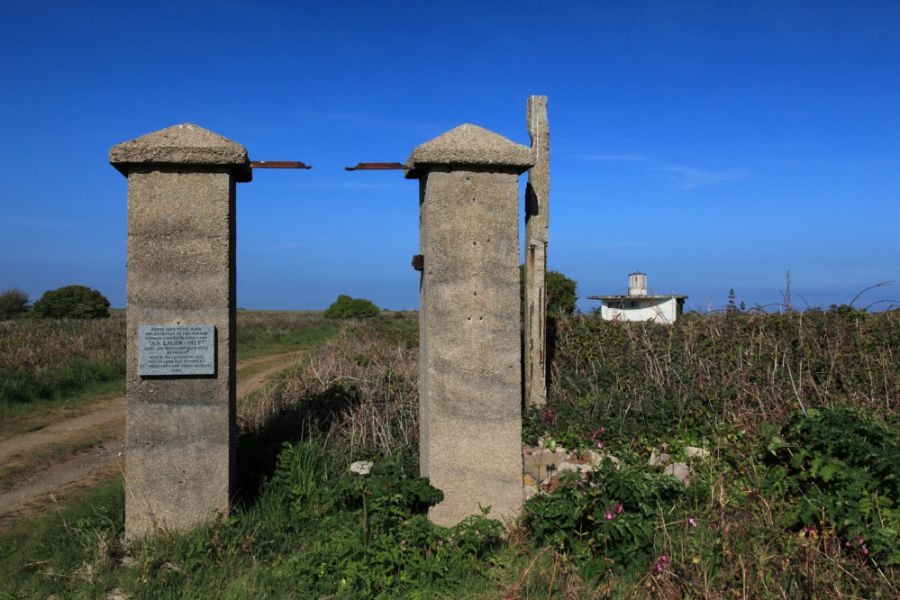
13, 302
72, 302
839, 468
346, 307
561, 296
605, 520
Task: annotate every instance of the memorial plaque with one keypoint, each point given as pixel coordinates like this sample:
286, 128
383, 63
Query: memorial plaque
176, 350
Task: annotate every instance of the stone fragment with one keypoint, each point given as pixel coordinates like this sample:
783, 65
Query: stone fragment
539, 462
659, 459
694, 452
679, 471
570, 467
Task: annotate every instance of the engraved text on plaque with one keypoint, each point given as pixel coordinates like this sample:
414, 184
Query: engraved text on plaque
176, 350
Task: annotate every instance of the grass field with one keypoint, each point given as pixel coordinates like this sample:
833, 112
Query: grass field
798, 496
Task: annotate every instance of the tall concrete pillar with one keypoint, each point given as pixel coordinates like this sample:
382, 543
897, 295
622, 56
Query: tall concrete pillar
470, 356
537, 214
180, 426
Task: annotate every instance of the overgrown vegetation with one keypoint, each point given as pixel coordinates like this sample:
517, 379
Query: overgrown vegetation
72, 302
796, 496
706, 375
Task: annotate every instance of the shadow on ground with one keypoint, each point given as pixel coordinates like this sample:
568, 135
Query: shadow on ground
313, 416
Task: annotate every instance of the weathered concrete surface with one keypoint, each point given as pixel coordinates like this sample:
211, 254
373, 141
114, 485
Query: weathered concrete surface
537, 196
470, 374
473, 146
179, 465
184, 144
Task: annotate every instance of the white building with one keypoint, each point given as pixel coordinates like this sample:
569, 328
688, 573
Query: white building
638, 305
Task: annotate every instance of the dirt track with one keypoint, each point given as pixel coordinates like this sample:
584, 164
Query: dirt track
73, 450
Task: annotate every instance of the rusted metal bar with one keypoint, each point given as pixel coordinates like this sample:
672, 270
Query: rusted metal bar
278, 164
377, 166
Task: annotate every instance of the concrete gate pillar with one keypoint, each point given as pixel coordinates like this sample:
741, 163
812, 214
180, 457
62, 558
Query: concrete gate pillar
537, 223
180, 427
470, 375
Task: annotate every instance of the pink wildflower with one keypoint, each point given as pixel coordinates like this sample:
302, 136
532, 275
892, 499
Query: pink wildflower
661, 564
609, 516
599, 443
692, 522
548, 416
620, 508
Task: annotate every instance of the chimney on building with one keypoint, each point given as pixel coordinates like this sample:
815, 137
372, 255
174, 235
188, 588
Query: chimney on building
637, 284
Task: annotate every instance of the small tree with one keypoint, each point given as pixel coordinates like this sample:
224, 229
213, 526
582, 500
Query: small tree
731, 307
13, 302
346, 307
72, 302
561, 295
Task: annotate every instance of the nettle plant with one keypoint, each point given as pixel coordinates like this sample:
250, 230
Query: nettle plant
838, 470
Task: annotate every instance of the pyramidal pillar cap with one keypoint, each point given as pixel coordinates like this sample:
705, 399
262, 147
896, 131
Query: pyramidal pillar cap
180, 145
470, 146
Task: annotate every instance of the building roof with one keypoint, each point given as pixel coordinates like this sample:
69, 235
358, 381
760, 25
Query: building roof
651, 297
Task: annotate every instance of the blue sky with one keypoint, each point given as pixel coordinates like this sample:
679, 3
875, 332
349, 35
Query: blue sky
712, 145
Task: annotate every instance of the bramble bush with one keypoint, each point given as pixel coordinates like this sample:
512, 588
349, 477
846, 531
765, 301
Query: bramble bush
605, 519
839, 468
707, 372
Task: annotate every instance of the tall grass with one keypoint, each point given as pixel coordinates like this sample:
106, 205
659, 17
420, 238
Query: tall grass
360, 389
47, 359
